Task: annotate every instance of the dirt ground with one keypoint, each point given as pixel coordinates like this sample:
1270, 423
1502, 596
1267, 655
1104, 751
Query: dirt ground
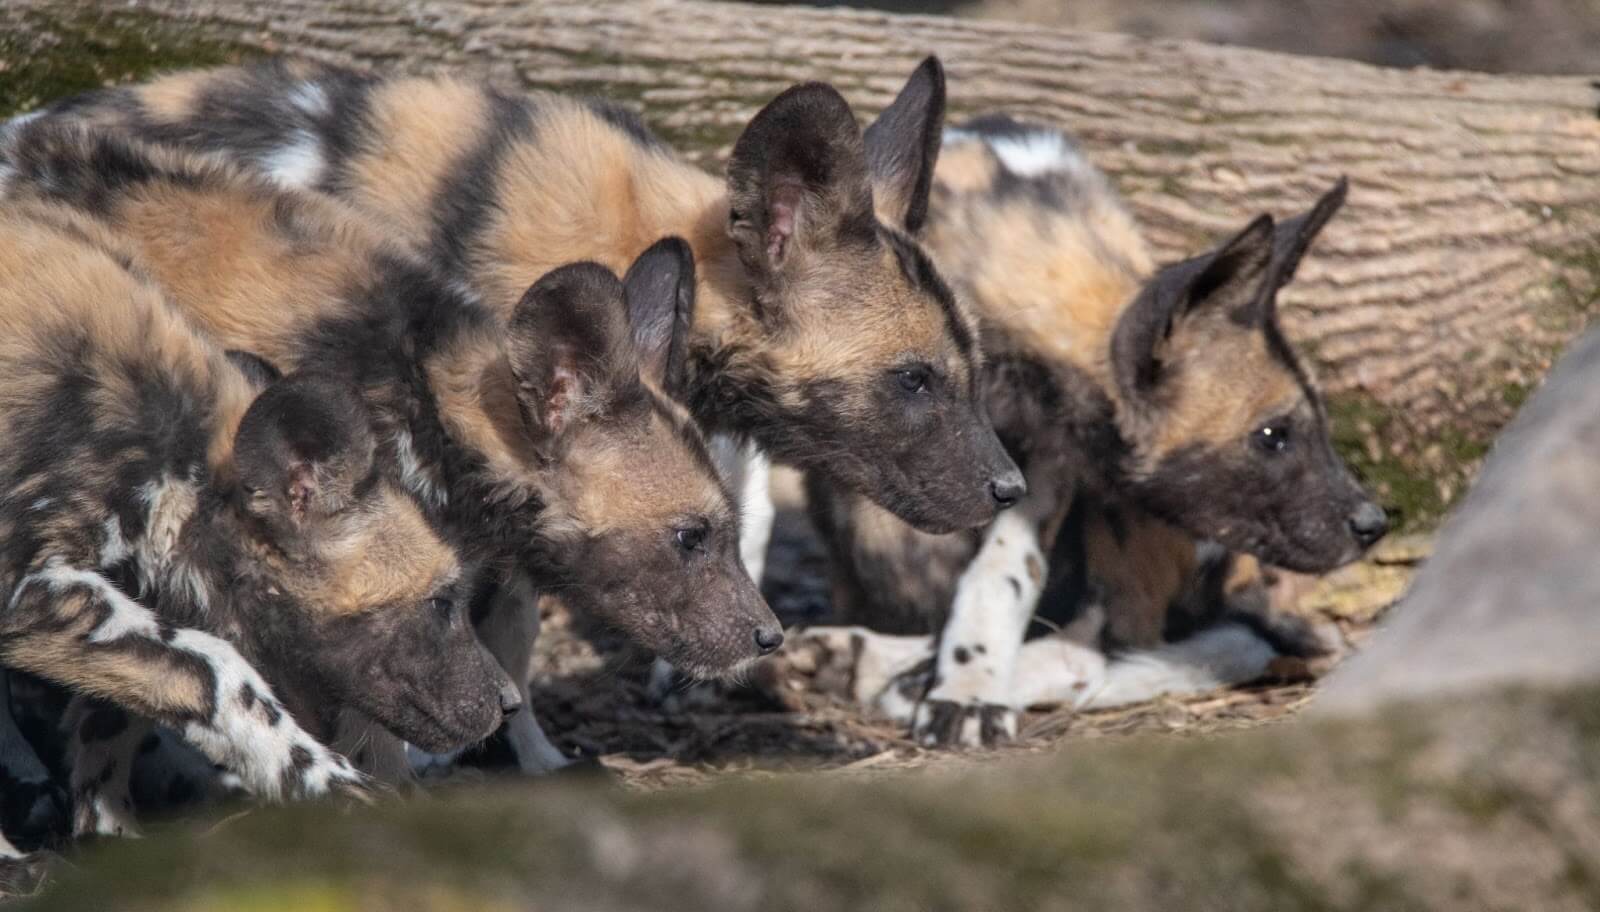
594, 702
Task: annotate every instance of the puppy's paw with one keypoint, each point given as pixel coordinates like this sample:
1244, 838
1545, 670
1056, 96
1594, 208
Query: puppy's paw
947, 723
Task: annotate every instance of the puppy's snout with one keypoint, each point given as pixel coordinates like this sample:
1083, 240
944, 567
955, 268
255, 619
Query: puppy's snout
510, 699
1007, 489
768, 639
1368, 524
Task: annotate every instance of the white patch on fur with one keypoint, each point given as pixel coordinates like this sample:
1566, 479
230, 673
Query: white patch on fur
994, 600
7, 850
242, 740
881, 659
41, 504
1222, 656
115, 549
235, 737
1031, 154
415, 476
296, 165
747, 472
1037, 153
126, 618
1056, 671
311, 99
169, 504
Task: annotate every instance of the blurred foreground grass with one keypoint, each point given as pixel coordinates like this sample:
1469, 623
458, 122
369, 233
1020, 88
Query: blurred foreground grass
1473, 803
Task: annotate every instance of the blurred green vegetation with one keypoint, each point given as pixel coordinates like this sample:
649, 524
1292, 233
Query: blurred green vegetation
80, 48
1492, 795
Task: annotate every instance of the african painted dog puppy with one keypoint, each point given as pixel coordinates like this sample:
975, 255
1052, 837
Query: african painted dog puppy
822, 332
540, 442
184, 545
1169, 392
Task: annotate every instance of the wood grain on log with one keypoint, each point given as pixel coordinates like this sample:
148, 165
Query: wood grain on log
1469, 252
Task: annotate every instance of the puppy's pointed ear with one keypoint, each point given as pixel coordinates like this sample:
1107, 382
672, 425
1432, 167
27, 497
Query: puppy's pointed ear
1290, 241
570, 349
903, 147
303, 447
659, 290
1221, 283
798, 185
258, 370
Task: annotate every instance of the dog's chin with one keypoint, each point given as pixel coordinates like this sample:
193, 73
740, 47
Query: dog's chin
941, 517
437, 736
1312, 561
699, 669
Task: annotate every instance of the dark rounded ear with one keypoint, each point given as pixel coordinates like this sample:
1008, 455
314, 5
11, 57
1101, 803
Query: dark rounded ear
659, 290
798, 180
1222, 282
903, 146
258, 370
570, 348
303, 447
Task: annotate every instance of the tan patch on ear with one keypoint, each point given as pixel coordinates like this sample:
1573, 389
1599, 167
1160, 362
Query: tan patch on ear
1141, 575
1222, 383
388, 557
419, 131
477, 397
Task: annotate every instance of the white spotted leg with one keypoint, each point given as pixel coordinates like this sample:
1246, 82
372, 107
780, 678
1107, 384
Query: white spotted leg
970, 701
73, 626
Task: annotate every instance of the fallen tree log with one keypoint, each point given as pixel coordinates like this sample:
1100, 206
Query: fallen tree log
1468, 255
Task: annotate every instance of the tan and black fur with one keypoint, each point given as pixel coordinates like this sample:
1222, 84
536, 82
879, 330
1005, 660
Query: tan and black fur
542, 445
534, 442
1164, 402
822, 330
184, 545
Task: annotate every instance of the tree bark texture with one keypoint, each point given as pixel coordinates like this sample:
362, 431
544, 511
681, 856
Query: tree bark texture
1468, 255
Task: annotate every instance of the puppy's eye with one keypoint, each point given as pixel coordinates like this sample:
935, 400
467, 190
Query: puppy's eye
912, 379
1272, 438
692, 539
443, 607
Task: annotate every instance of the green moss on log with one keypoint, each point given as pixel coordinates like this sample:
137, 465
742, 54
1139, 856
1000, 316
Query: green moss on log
58, 54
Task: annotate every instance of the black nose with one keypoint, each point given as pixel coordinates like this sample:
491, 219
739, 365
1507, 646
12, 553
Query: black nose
768, 639
1368, 524
1008, 489
510, 698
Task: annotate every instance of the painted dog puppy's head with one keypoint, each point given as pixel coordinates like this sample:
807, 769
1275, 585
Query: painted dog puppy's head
349, 591
639, 530
1228, 437
866, 364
